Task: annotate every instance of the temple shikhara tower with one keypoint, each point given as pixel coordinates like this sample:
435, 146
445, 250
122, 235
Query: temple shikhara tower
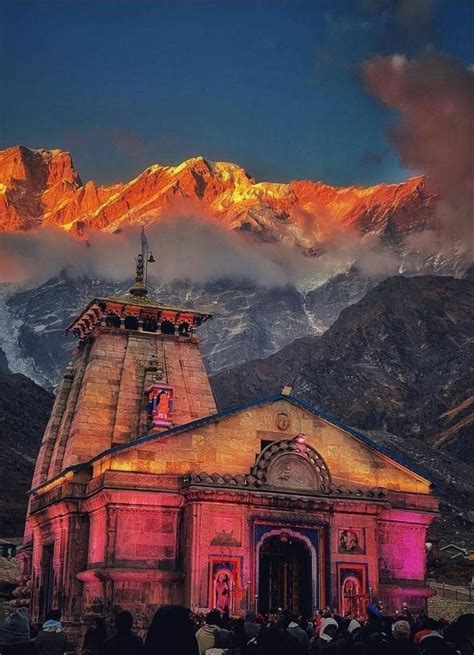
145, 494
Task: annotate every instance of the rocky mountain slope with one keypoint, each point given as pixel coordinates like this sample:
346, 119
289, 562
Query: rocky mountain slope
42, 187
453, 484
248, 321
24, 412
400, 360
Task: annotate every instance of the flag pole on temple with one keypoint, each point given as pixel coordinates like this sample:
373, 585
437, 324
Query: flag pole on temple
147, 254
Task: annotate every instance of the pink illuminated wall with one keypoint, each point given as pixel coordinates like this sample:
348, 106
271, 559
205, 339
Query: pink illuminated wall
402, 549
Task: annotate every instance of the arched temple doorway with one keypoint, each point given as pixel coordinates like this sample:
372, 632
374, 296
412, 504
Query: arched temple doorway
285, 574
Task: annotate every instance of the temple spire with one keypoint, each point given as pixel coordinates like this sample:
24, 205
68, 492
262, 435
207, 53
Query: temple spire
140, 288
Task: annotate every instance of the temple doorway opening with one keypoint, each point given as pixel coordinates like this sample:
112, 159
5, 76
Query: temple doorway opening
285, 579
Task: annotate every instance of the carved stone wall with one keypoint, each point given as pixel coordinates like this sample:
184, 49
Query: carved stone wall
232, 445
146, 526
64, 530
52, 448
101, 403
402, 551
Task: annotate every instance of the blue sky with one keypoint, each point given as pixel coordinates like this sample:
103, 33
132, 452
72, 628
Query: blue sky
272, 85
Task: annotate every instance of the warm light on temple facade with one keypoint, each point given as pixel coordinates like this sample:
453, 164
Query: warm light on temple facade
140, 480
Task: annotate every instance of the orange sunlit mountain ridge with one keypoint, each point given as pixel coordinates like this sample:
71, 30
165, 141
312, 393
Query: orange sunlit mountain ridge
42, 188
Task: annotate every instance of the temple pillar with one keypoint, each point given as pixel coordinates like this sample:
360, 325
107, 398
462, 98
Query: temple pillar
51, 433
75, 561
56, 464
138, 351
402, 559
35, 575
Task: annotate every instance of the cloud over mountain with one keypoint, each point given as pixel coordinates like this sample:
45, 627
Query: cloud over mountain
434, 95
206, 220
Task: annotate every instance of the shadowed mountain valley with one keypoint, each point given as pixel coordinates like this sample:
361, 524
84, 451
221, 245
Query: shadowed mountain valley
24, 412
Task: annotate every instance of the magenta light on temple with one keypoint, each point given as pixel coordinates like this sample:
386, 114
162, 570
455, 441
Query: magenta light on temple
145, 494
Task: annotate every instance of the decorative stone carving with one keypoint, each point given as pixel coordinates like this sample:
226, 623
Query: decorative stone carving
223, 538
156, 369
291, 464
292, 472
225, 530
351, 540
282, 421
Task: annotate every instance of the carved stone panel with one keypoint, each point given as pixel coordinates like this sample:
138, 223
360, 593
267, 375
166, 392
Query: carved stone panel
225, 530
351, 540
291, 471
282, 421
291, 464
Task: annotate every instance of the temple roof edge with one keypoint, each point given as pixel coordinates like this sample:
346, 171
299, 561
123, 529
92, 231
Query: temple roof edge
99, 308
197, 423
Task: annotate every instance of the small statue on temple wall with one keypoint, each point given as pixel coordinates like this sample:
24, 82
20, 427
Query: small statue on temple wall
160, 404
162, 409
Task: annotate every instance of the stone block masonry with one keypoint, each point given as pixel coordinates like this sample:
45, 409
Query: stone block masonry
101, 402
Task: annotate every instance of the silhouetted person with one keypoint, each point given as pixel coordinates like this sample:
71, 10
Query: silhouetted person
251, 627
223, 644
297, 631
171, 633
51, 640
376, 644
276, 640
125, 641
375, 623
95, 637
462, 634
206, 636
401, 643
15, 634
326, 642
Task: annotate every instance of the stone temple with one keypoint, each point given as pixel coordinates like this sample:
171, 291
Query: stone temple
145, 494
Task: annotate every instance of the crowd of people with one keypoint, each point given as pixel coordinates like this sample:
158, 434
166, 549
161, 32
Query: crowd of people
174, 630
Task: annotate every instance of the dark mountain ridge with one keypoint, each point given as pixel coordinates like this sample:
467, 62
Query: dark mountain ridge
400, 360
24, 412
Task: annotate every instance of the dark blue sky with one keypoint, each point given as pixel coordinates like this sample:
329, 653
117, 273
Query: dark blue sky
272, 85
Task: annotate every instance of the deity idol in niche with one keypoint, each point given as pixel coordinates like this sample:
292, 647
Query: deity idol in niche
160, 404
222, 590
350, 596
349, 541
162, 408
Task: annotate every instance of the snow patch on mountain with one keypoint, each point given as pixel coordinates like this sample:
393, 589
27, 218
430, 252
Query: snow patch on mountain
10, 325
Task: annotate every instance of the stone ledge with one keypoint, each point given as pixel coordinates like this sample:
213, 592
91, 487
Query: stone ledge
251, 483
92, 575
407, 587
133, 480
68, 491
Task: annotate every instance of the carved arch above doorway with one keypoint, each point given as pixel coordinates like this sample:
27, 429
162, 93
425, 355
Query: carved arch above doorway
290, 464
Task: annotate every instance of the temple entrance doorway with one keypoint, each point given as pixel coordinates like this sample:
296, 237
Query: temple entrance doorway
284, 578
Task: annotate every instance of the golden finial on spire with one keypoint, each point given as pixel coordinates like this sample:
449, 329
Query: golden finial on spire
140, 289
